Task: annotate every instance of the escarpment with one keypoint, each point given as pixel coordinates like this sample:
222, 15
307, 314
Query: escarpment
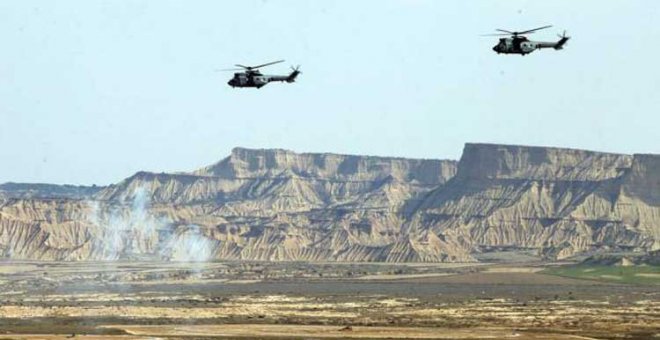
561, 202
280, 205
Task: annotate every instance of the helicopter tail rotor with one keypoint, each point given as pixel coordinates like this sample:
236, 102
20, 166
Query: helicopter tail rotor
295, 71
563, 38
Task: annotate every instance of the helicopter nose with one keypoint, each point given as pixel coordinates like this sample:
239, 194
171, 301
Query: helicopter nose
495, 48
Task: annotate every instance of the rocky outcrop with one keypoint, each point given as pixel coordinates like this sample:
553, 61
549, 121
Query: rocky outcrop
261, 205
248, 163
561, 202
486, 161
281, 205
643, 181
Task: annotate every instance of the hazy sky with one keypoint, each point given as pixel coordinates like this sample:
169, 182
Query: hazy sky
93, 91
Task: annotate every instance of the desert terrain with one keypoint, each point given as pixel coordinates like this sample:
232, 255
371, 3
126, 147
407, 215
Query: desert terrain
279, 205
302, 300
508, 242
425, 178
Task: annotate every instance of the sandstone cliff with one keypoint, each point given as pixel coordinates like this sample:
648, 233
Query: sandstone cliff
281, 205
559, 201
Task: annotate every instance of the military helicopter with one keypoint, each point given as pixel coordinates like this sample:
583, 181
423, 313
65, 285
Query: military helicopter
519, 44
251, 77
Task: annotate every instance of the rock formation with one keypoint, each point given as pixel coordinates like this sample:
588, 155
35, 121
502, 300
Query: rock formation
281, 205
559, 201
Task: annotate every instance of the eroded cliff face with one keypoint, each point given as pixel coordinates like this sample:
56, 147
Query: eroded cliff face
248, 163
255, 204
280, 205
486, 161
558, 201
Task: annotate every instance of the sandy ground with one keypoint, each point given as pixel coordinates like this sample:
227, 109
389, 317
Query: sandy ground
401, 276
334, 332
513, 269
247, 331
284, 301
13, 268
651, 275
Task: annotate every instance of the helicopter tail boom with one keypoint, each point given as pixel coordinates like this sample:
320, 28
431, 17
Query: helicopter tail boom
295, 71
556, 45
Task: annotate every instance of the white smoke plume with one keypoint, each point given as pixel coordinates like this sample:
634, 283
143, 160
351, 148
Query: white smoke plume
136, 231
189, 245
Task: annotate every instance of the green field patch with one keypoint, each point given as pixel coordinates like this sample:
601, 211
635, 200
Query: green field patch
619, 274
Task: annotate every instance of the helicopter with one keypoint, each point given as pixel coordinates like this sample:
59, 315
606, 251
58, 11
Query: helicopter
519, 44
251, 77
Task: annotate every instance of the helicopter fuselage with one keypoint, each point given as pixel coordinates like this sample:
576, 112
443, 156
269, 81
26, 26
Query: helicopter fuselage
521, 45
252, 77
258, 80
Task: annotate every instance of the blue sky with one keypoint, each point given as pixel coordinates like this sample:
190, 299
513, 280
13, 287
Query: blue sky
93, 91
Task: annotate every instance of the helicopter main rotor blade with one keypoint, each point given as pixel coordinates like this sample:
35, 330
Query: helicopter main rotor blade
523, 32
271, 63
534, 30
249, 68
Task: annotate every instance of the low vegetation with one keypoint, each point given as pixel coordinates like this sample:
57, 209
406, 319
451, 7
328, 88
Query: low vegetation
643, 274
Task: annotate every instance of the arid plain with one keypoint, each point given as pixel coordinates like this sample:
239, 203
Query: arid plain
260, 300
